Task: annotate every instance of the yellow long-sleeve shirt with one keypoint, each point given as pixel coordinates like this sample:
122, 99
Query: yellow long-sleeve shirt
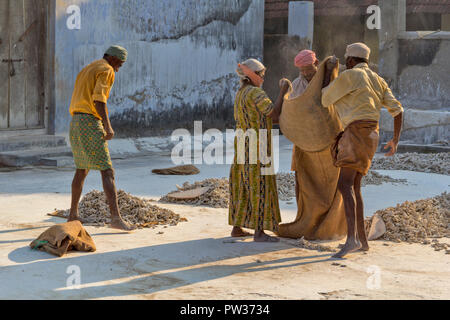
359, 94
93, 83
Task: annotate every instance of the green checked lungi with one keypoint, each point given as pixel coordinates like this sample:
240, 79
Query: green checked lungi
90, 150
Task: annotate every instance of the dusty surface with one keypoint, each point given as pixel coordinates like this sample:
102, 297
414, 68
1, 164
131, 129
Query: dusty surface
197, 259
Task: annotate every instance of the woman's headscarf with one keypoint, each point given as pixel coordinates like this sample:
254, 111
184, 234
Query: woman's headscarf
247, 70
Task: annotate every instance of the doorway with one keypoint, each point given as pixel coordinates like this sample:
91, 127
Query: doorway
23, 52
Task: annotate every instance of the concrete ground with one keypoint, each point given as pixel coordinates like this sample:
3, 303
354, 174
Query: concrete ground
196, 259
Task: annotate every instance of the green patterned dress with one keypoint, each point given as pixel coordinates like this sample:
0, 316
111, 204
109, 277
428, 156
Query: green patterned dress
253, 196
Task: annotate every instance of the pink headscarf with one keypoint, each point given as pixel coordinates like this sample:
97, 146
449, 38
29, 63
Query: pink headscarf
305, 58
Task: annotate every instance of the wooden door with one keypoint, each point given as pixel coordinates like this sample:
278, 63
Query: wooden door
22, 53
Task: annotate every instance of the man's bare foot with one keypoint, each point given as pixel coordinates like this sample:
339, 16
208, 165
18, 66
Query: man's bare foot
364, 244
118, 223
349, 247
364, 247
237, 232
262, 237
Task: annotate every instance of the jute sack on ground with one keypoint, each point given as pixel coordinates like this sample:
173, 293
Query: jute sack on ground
178, 170
61, 238
305, 122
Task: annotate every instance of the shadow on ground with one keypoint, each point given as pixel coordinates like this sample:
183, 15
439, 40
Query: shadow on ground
139, 271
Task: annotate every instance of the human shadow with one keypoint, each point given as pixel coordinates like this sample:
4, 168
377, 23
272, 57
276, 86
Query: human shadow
19, 230
153, 282
144, 270
15, 241
23, 229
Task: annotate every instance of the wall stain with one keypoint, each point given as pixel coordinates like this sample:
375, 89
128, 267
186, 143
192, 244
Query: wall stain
417, 52
138, 97
145, 23
140, 123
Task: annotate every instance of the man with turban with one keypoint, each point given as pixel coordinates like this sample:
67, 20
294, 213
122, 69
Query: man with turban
320, 210
90, 129
307, 63
358, 95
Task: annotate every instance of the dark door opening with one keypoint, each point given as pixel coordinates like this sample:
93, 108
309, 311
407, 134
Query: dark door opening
22, 64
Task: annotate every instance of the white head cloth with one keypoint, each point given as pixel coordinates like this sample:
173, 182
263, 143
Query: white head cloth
358, 50
253, 64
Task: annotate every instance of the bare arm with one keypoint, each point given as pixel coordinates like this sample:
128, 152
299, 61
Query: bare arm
393, 144
327, 78
331, 64
101, 109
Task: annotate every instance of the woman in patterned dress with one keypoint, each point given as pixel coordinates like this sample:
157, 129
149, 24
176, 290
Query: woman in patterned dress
253, 191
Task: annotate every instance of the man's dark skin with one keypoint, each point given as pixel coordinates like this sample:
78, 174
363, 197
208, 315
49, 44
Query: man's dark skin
107, 175
308, 72
350, 187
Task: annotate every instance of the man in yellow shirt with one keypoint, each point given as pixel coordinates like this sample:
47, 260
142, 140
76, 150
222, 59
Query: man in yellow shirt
358, 95
90, 130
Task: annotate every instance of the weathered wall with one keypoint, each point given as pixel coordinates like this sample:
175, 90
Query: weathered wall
423, 85
348, 17
415, 65
182, 57
279, 54
329, 41
423, 73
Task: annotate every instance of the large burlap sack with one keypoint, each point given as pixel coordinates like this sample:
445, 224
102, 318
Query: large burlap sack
320, 207
61, 238
305, 122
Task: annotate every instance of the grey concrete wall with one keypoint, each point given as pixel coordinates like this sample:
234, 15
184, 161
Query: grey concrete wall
423, 87
419, 126
301, 20
279, 54
332, 35
182, 58
424, 73
416, 67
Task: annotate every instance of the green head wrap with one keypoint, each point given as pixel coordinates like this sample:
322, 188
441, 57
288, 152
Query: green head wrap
118, 52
